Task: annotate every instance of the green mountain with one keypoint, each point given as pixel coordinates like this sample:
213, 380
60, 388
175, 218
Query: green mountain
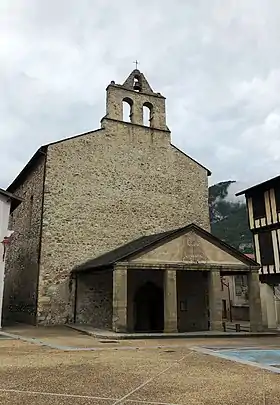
229, 220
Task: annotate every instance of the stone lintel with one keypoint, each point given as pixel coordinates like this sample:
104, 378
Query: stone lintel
189, 266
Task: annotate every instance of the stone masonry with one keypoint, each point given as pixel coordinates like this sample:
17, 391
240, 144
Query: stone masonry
94, 299
110, 186
22, 262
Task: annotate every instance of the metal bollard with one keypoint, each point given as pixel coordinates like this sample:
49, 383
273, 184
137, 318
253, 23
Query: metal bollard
237, 327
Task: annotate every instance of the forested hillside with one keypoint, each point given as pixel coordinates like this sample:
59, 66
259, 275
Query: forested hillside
229, 218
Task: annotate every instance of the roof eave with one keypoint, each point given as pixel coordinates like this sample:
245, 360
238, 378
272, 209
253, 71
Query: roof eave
41, 151
209, 173
272, 180
86, 270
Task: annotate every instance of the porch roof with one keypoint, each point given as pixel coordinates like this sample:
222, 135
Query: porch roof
137, 246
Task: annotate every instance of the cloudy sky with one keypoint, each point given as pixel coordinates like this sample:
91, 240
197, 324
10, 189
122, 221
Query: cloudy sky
217, 62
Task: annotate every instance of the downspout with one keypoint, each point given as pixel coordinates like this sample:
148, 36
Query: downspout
229, 301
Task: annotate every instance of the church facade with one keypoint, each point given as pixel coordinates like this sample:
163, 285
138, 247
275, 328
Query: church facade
87, 196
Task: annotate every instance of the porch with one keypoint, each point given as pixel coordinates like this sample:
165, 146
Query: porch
175, 297
163, 283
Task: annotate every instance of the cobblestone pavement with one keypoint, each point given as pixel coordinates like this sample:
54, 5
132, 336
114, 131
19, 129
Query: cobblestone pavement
150, 372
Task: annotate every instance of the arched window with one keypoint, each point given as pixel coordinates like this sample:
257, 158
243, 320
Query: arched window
148, 114
127, 109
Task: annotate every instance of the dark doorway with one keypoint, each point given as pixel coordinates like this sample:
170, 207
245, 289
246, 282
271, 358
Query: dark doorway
149, 308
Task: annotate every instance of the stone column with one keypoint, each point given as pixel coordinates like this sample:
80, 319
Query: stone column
268, 305
170, 301
215, 301
120, 299
255, 309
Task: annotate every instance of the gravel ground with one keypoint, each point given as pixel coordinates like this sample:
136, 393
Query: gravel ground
32, 374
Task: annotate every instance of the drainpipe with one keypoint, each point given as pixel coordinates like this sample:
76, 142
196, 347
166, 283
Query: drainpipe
230, 311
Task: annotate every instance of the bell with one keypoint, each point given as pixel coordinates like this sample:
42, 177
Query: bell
137, 85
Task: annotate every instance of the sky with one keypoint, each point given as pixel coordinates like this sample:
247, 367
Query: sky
217, 62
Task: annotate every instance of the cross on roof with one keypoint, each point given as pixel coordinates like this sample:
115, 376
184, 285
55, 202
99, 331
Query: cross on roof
136, 63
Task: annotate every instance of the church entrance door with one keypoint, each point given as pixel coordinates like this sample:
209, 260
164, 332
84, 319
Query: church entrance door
149, 308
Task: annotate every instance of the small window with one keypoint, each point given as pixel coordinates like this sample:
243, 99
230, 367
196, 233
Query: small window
258, 206
240, 282
266, 248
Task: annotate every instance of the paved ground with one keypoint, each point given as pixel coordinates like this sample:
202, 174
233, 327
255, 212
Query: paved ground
130, 372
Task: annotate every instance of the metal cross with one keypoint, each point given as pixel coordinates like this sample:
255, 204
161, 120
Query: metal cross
136, 63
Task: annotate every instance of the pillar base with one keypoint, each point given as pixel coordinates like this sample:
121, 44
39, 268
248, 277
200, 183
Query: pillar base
255, 302
217, 326
171, 328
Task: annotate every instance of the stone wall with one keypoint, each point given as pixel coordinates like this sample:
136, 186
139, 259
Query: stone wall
115, 96
192, 292
21, 270
108, 187
95, 299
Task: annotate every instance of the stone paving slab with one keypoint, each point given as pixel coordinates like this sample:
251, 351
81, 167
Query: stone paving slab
64, 338
30, 399
158, 376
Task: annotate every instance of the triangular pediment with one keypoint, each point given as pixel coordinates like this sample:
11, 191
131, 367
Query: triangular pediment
193, 245
137, 75
189, 244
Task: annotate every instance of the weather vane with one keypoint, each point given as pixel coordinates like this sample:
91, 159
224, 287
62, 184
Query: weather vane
136, 63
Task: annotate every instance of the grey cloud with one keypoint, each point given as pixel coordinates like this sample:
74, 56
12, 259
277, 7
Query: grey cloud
218, 64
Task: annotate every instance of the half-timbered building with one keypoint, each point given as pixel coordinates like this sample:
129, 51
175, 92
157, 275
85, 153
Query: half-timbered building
263, 204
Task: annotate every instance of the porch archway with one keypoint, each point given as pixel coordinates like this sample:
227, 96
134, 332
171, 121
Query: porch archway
149, 308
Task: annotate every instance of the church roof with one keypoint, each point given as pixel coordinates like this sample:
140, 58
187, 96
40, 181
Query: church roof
136, 246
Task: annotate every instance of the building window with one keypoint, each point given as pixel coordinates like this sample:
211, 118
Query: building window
240, 282
266, 248
277, 197
258, 206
